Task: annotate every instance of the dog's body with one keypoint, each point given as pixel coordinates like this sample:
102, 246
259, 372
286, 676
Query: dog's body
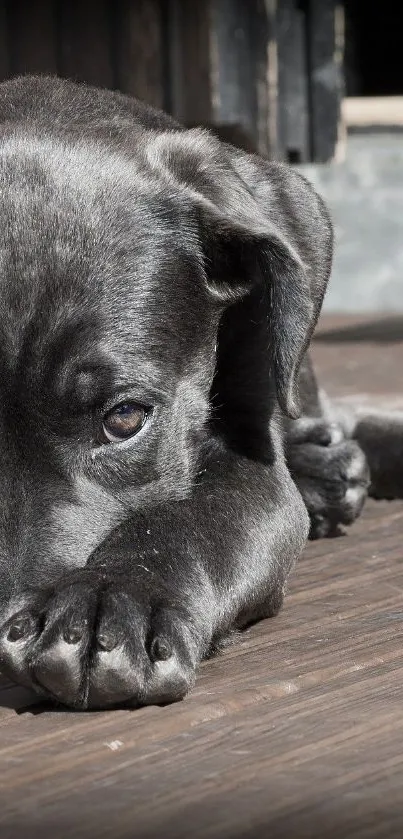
152, 275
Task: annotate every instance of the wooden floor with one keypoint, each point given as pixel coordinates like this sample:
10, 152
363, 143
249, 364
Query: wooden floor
295, 732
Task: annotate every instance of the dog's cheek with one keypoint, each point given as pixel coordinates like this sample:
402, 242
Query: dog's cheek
76, 529
180, 446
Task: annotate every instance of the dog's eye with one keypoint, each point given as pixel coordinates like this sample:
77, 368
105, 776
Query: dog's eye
122, 422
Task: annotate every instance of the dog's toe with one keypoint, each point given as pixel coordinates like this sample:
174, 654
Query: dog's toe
314, 430
333, 481
17, 640
59, 660
99, 644
57, 670
174, 653
120, 665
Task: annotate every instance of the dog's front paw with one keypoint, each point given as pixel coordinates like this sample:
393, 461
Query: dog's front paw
332, 475
96, 641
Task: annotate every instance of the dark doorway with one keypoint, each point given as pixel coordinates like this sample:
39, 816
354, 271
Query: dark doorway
373, 55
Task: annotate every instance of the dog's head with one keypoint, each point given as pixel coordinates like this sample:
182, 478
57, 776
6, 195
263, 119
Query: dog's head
114, 272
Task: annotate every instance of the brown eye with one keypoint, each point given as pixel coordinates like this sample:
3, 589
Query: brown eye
122, 422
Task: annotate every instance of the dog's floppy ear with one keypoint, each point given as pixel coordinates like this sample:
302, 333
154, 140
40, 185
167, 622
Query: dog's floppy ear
259, 222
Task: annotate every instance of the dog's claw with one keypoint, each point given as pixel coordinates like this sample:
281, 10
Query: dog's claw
91, 648
107, 641
74, 634
333, 480
20, 628
161, 650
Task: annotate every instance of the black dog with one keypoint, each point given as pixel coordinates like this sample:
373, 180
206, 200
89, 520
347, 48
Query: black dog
158, 292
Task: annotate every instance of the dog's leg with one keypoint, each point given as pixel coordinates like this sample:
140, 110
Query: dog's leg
163, 590
380, 436
328, 465
339, 455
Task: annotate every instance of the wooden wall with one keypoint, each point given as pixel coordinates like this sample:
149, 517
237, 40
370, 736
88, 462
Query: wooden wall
265, 74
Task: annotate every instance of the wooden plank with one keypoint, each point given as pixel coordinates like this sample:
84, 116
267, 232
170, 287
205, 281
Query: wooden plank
295, 730
293, 105
262, 34
4, 47
217, 68
237, 64
325, 43
307, 707
32, 37
360, 358
188, 47
85, 41
139, 50
236, 99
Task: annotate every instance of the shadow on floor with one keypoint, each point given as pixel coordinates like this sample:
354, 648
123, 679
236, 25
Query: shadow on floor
356, 818
383, 331
21, 700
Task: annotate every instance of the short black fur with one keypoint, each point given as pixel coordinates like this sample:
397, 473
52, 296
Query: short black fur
143, 262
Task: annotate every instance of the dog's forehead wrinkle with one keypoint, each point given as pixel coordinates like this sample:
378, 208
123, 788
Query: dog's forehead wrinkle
68, 241
67, 163
60, 286
83, 172
68, 190
114, 379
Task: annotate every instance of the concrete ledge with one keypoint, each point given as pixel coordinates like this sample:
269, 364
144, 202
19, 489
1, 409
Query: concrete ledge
359, 111
365, 196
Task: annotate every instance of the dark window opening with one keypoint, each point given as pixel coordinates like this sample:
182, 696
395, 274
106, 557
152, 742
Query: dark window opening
373, 48
294, 156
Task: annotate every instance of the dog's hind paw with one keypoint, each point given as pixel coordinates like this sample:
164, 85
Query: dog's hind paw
98, 642
332, 475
